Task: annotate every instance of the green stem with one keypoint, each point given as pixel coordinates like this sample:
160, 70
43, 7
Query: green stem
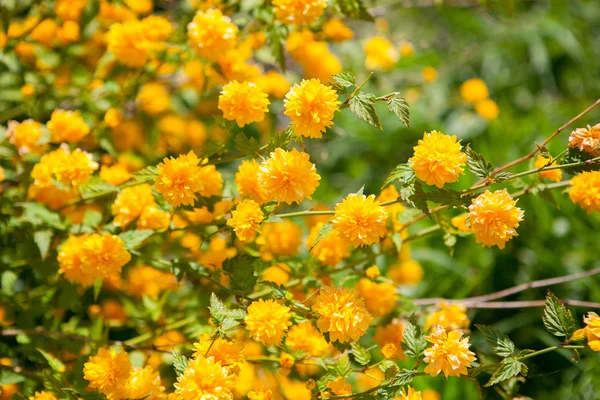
238, 157
424, 232
549, 349
304, 213
149, 335
10, 114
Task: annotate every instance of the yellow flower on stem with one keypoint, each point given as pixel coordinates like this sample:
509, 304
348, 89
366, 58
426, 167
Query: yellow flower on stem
336, 30
243, 103
360, 219
107, 371
244, 220
448, 353
460, 223
585, 190
409, 393
488, 109
246, 180
130, 203
267, 321
311, 106
591, 332
331, 250
129, 43
586, 139
554, 175
288, 176
437, 159
449, 317
299, 12
474, 90
42, 396
279, 239
341, 313
305, 337
380, 298
25, 136
494, 218
339, 386
211, 34
204, 378
144, 383
229, 353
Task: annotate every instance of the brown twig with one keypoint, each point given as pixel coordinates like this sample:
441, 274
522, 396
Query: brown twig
510, 291
531, 303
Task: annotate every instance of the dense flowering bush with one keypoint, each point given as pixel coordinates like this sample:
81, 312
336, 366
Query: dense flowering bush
165, 229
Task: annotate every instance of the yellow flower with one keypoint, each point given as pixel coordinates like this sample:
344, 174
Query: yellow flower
27, 90
45, 32
311, 106
430, 394
129, 43
554, 175
409, 394
278, 273
380, 298
586, 139
304, 337
143, 280
140, 7
267, 321
460, 223
449, 317
406, 49
331, 250
389, 350
288, 176
390, 193
260, 393
474, 90
488, 109
229, 353
244, 220
6, 391
204, 378
339, 386
273, 83
391, 334
153, 98
169, 340
585, 190
113, 117
243, 103
107, 371
494, 218
26, 136
211, 34
69, 32
69, 260
342, 313
69, 10
360, 219
429, 74
314, 56
154, 218
104, 254
438, 159
299, 12
591, 332
67, 126
43, 396
115, 175
130, 203
69, 169
179, 179
279, 239
144, 383
380, 54
246, 180
448, 353
406, 272
336, 30
373, 272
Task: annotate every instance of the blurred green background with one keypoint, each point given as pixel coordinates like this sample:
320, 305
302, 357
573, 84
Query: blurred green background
541, 62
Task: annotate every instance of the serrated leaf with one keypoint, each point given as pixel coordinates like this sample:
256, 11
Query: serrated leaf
343, 367
276, 35
134, 239
360, 354
180, 363
575, 156
246, 145
54, 362
324, 380
399, 106
236, 314
354, 9
145, 175
477, 164
228, 323
503, 346
414, 195
323, 232
241, 272
96, 187
557, 319
217, 309
344, 79
92, 218
43, 239
38, 215
414, 341
509, 368
447, 197
402, 173
281, 140
363, 106
501, 177
403, 377
384, 365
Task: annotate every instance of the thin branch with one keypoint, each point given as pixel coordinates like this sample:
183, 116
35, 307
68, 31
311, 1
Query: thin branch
510, 291
531, 303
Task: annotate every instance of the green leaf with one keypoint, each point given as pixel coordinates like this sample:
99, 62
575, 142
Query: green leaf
134, 239
477, 164
414, 195
557, 318
38, 215
403, 377
241, 272
281, 140
97, 287
92, 218
276, 35
402, 173
509, 368
360, 354
354, 9
399, 106
7, 377
363, 106
503, 346
145, 175
323, 232
342, 81
343, 367
246, 145
217, 309
180, 363
324, 380
96, 187
8, 282
447, 197
54, 362
576, 156
414, 340
384, 365
43, 239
